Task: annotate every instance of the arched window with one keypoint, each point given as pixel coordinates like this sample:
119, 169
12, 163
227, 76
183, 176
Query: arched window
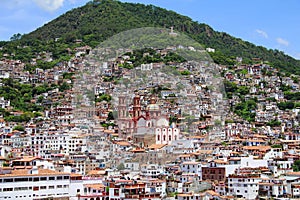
170, 137
175, 137
158, 138
164, 137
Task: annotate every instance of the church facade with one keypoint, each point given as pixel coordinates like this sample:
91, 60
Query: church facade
137, 119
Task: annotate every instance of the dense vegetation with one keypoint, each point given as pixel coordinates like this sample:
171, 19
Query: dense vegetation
296, 166
100, 19
246, 109
26, 100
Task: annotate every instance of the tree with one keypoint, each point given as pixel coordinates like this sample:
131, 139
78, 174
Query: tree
16, 36
230, 88
246, 110
104, 97
243, 90
40, 99
285, 88
296, 166
286, 105
277, 146
273, 123
185, 72
292, 95
19, 128
110, 116
64, 86
67, 75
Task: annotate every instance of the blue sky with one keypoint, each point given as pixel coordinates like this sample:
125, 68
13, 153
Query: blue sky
270, 23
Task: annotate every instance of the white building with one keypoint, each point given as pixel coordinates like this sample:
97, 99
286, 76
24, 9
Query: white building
244, 186
132, 166
280, 166
192, 167
272, 188
41, 184
151, 171
34, 183
61, 143
147, 67
241, 162
4, 103
166, 135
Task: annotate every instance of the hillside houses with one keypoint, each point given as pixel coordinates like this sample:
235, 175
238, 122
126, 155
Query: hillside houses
250, 150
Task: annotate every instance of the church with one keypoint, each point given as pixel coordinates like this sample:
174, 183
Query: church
137, 120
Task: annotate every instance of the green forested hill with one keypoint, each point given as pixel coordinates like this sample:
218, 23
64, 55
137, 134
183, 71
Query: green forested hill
100, 19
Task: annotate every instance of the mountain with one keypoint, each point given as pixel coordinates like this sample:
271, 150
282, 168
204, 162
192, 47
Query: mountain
100, 19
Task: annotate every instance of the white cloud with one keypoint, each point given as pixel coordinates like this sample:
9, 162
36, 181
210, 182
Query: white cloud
49, 5
262, 33
283, 42
297, 56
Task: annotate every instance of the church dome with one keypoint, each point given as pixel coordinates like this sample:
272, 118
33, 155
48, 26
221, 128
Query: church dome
153, 106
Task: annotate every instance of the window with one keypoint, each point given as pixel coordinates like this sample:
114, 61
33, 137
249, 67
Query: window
59, 186
59, 178
20, 188
43, 187
21, 179
158, 138
43, 178
51, 178
66, 177
36, 179
35, 188
51, 187
8, 180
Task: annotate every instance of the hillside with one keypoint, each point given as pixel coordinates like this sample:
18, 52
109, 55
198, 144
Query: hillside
100, 19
